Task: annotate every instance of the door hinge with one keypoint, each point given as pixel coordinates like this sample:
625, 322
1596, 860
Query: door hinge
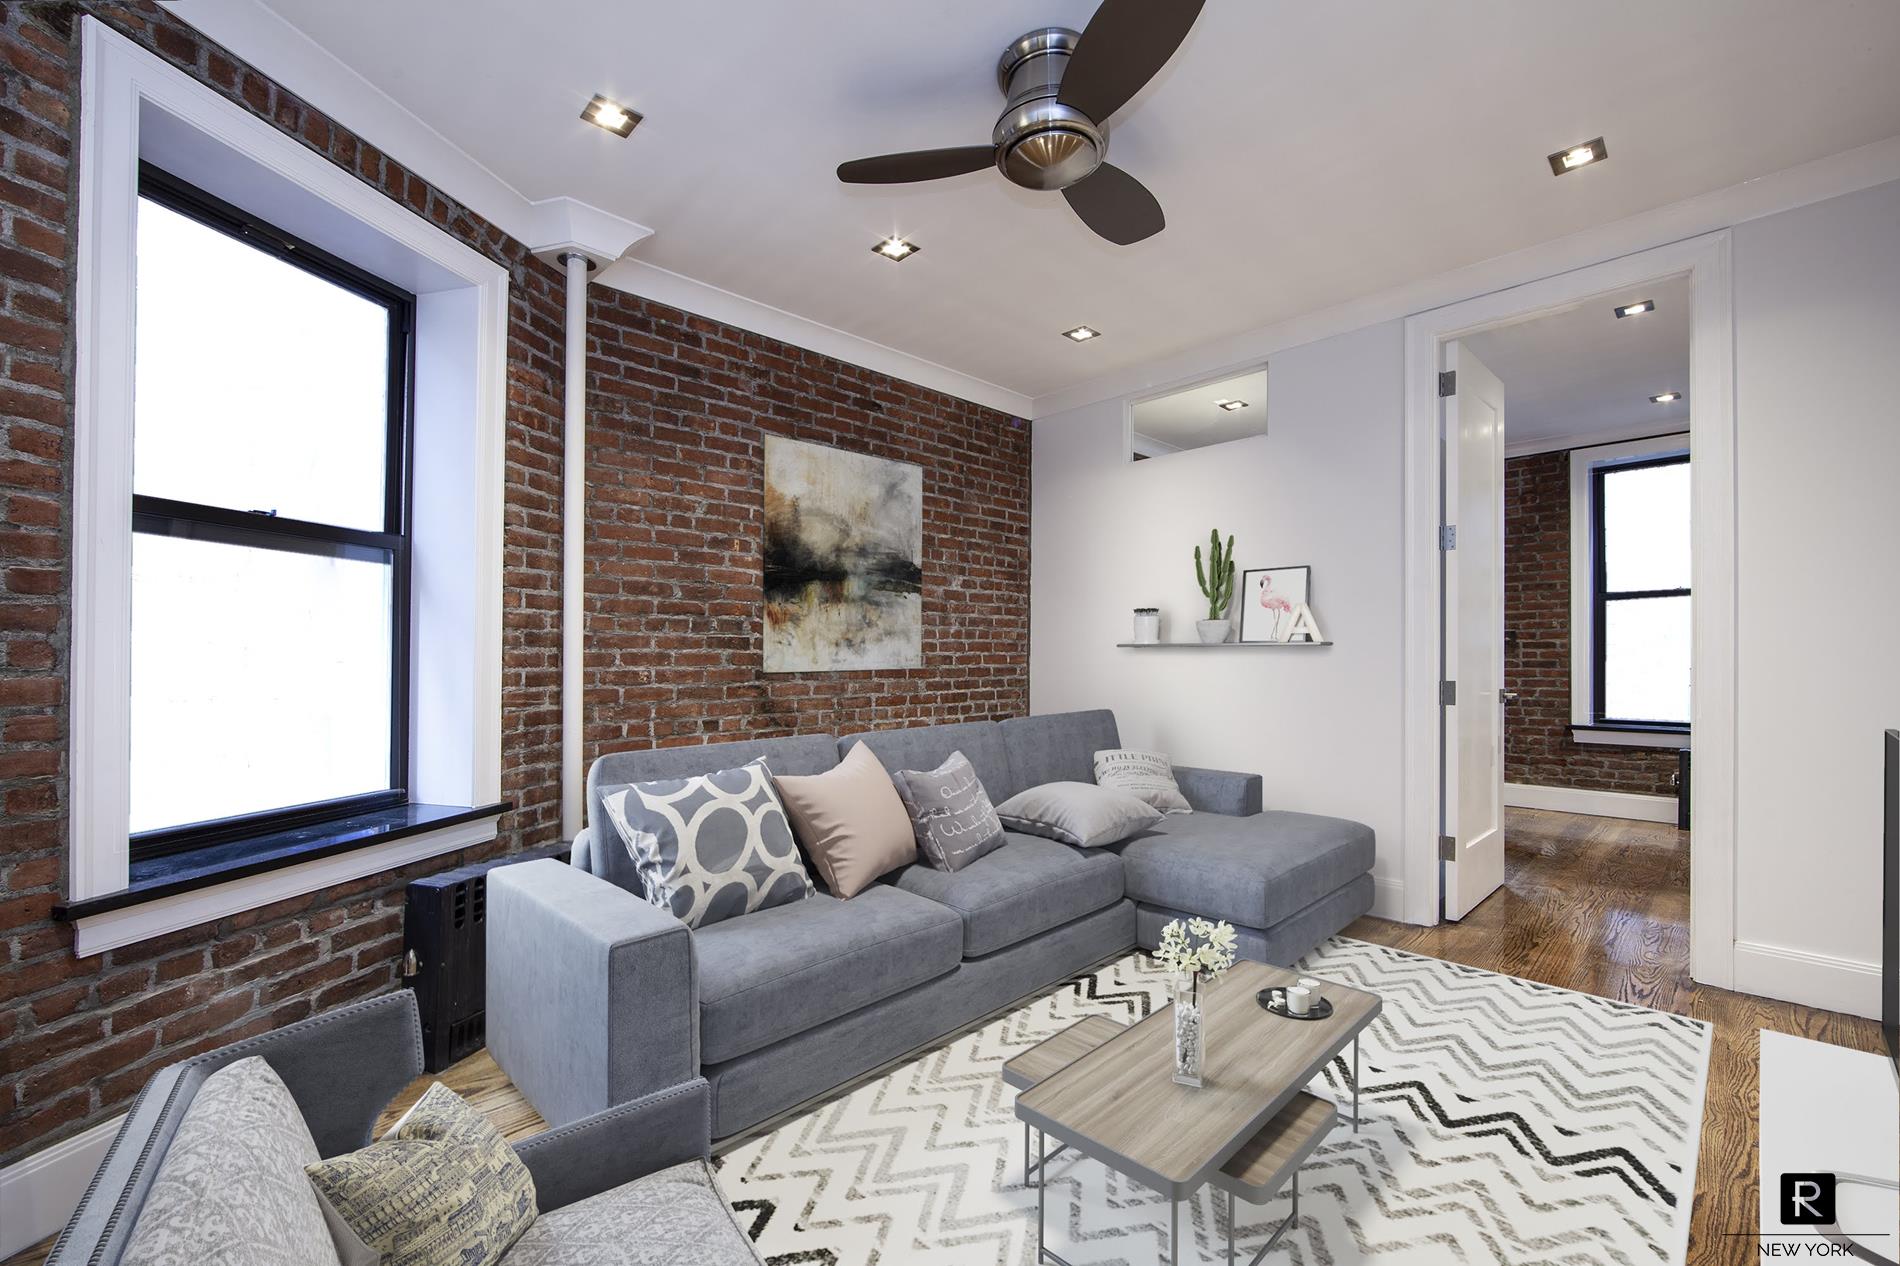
1448, 693
1448, 536
1448, 383
1447, 848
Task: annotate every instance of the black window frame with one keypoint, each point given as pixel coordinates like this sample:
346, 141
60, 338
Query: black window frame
264, 528
1601, 596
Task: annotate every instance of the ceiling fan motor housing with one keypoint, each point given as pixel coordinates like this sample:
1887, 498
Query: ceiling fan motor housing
1041, 143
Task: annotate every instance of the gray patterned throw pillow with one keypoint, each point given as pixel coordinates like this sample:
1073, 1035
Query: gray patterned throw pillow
708, 848
950, 813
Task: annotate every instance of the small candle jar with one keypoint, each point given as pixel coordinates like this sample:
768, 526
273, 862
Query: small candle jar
1147, 625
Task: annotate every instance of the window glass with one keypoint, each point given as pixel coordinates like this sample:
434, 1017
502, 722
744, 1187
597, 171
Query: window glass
1647, 649
260, 385
260, 678
1646, 527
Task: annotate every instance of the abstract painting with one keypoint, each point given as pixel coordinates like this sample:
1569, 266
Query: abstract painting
844, 550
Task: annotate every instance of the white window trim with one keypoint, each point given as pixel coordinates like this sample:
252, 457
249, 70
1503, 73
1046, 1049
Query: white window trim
120, 84
1582, 577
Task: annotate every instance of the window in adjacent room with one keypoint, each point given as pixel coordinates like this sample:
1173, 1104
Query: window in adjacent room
270, 554
1640, 600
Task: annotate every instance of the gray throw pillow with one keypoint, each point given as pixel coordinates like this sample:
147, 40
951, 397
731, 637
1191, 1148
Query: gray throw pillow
707, 848
950, 813
1079, 813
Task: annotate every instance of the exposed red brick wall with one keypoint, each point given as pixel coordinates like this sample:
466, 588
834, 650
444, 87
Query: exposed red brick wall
679, 404
677, 410
79, 1036
1538, 748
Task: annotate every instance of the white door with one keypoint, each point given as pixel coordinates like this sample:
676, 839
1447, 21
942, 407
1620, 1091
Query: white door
1473, 732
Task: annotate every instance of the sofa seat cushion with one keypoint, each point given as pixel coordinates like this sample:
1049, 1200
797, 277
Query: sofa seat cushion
668, 1218
789, 968
1252, 871
1027, 886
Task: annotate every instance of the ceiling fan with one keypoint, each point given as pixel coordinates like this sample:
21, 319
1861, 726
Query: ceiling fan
1062, 87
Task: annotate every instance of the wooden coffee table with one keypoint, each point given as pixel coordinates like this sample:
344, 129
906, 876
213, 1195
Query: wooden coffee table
1113, 1097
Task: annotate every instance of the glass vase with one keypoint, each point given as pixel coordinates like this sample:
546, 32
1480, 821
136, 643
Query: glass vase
1190, 1030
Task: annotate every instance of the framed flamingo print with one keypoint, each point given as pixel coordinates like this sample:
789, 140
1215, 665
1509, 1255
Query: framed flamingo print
1268, 598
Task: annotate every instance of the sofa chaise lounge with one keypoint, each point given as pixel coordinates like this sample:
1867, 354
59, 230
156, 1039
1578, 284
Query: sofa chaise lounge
596, 997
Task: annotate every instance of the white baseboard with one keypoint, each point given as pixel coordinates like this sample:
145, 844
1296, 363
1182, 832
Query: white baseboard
1599, 804
1388, 898
39, 1194
1814, 980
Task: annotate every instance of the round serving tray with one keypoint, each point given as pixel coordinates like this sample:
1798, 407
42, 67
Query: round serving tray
1273, 1001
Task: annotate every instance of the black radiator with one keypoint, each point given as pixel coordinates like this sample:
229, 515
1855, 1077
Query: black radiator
445, 934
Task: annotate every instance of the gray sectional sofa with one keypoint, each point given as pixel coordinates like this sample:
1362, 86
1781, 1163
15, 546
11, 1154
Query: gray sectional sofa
596, 997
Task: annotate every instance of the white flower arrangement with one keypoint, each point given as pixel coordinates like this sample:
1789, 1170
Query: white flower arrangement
1196, 947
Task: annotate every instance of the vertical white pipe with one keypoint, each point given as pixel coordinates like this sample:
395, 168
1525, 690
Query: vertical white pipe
573, 527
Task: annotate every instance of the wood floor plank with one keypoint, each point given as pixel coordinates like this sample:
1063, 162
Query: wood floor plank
1599, 905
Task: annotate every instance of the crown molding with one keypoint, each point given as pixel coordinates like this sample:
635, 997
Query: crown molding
635, 276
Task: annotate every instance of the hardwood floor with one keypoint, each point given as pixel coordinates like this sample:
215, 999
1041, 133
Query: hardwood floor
1595, 904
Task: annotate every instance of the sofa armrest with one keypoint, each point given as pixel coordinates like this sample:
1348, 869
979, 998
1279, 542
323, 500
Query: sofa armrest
1220, 790
614, 1147
593, 999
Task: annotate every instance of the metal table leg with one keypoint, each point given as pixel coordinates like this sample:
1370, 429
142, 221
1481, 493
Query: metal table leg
1355, 1103
1230, 1229
1174, 1231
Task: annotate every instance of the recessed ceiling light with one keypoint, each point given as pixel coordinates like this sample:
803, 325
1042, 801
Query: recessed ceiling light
610, 116
1667, 397
1230, 405
1572, 157
895, 248
1636, 309
1081, 334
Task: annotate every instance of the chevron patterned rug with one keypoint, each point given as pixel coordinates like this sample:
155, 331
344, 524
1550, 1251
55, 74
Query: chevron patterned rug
1506, 1122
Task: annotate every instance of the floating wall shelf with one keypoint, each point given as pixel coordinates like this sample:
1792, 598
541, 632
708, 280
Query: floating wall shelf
1212, 646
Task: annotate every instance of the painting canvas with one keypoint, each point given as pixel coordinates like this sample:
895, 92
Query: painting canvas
1268, 598
844, 550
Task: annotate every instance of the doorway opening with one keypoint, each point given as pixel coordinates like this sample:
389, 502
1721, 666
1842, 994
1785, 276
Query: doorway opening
1558, 641
1568, 603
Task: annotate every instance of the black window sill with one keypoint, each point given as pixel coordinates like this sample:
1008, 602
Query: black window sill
155, 877
1631, 727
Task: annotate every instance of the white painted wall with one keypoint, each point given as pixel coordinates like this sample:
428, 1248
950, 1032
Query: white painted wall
1817, 391
1817, 396
1322, 725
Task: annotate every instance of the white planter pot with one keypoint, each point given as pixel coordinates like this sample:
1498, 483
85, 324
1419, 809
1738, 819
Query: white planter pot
1213, 631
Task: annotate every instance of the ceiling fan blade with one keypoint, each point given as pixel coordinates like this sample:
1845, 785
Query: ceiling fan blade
1122, 48
917, 164
1116, 205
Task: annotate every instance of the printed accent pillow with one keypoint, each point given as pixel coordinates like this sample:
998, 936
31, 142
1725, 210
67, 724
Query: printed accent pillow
1147, 776
950, 813
1078, 813
707, 848
442, 1188
231, 1190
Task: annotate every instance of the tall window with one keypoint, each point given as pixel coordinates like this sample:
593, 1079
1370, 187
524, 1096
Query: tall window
1641, 604
270, 555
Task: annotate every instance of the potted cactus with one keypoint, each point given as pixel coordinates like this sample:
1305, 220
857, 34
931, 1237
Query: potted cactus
1217, 585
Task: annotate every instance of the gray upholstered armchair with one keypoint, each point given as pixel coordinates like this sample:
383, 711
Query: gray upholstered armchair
342, 1068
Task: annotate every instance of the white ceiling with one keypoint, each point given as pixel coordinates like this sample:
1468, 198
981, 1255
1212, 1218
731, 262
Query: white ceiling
1583, 374
1306, 154
1191, 419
